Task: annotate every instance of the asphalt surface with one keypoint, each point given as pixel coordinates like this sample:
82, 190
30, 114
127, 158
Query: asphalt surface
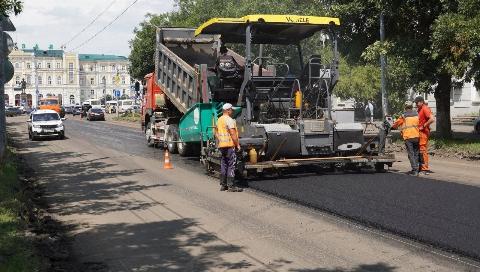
440, 213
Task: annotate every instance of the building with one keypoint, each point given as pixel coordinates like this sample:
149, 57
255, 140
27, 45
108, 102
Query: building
464, 100
101, 74
72, 77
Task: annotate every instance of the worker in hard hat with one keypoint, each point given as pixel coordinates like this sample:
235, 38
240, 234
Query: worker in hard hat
425, 119
408, 126
226, 134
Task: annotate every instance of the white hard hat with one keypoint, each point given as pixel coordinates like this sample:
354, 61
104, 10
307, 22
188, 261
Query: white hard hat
227, 106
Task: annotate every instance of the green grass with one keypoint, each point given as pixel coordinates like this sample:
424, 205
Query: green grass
128, 117
16, 251
457, 145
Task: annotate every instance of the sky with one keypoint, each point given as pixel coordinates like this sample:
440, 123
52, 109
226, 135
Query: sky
46, 22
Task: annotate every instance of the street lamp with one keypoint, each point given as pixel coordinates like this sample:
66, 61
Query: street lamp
23, 86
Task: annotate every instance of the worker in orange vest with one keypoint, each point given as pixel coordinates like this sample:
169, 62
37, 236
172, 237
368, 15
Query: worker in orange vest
425, 119
408, 125
226, 134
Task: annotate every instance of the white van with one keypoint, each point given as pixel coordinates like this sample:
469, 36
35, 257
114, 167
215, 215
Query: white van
111, 106
125, 104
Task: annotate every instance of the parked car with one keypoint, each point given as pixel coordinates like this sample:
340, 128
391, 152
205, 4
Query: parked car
95, 114
77, 110
45, 123
12, 111
68, 109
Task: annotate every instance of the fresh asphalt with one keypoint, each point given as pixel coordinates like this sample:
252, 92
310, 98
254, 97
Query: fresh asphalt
439, 213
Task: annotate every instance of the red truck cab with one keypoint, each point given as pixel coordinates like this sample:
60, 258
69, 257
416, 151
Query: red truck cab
153, 98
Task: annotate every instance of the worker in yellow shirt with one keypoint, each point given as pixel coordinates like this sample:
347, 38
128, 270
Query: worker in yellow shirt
408, 126
226, 134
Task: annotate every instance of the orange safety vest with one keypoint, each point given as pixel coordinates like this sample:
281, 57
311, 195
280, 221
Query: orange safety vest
223, 134
409, 128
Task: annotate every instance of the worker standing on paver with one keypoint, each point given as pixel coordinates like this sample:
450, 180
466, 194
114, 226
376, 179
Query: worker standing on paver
226, 134
369, 112
408, 125
425, 119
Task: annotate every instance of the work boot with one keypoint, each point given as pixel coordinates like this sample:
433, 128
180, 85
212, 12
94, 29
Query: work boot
223, 183
231, 185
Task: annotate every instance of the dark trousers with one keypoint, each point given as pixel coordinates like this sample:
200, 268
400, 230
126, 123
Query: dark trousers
413, 151
227, 164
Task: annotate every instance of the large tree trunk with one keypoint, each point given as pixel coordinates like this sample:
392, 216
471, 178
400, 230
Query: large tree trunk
442, 98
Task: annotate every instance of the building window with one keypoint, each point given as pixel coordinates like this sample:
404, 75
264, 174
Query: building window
104, 81
28, 65
49, 65
40, 80
123, 80
103, 68
91, 68
82, 80
17, 80
81, 67
92, 92
49, 80
113, 67
92, 81
104, 91
17, 65
59, 80
70, 72
39, 65
59, 65
29, 79
72, 99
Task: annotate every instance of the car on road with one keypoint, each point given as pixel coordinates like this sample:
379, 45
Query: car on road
12, 111
45, 123
68, 109
95, 114
77, 110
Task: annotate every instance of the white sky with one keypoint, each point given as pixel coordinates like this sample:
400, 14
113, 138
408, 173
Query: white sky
45, 22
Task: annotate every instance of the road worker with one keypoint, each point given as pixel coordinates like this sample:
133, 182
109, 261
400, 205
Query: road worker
425, 119
408, 126
226, 134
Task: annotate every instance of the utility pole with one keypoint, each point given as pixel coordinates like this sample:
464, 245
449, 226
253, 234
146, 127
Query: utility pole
35, 74
383, 65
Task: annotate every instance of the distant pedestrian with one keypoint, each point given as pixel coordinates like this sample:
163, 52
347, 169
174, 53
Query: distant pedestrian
369, 112
408, 125
425, 119
226, 134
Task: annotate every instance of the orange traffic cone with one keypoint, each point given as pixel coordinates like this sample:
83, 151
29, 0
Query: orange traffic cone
167, 164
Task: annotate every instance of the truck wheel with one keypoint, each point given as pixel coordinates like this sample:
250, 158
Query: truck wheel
184, 149
380, 167
172, 138
148, 135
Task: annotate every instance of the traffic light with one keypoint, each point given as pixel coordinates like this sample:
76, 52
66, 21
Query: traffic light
6, 46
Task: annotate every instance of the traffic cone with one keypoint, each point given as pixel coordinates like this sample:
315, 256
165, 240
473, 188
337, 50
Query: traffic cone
167, 164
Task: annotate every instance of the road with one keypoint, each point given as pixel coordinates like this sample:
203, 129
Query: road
134, 216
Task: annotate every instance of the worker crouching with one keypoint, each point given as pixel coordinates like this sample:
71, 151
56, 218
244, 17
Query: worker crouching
227, 137
408, 126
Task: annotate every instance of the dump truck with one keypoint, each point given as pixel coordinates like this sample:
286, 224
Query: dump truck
282, 108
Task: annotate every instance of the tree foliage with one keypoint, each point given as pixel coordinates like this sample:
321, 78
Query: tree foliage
8, 7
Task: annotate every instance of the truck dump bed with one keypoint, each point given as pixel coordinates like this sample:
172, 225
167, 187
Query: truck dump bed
181, 63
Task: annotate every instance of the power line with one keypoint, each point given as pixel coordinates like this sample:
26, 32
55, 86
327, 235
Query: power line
91, 23
106, 26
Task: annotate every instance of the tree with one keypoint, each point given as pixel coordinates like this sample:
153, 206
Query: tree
108, 97
143, 45
10, 6
414, 28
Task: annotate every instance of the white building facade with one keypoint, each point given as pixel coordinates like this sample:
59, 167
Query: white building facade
464, 100
70, 76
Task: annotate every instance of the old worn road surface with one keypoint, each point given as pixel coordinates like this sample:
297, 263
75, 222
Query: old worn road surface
132, 215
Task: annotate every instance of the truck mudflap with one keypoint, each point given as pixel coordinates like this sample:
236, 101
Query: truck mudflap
387, 159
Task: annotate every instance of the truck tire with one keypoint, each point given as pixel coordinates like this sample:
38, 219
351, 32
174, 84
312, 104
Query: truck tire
184, 149
171, 139
148, 133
